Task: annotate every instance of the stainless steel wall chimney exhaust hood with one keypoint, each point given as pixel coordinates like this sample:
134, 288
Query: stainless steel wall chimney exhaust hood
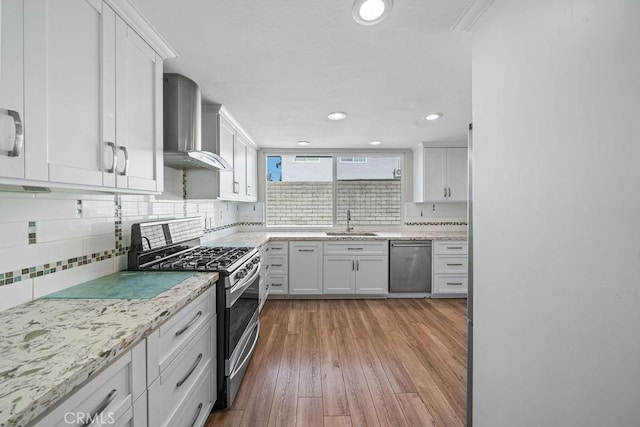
182, 127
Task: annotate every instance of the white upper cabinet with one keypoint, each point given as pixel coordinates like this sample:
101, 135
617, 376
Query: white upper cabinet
252, 173
92, 95
138, 112
12, 155
222, 134
440, 174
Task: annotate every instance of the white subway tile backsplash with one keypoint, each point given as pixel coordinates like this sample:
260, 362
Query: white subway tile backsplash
14, 234
45, 285
99, 243
19, 257
98, 209
15, 294
49, 231
16, 209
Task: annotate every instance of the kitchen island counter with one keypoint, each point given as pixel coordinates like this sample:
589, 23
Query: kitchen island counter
48, 347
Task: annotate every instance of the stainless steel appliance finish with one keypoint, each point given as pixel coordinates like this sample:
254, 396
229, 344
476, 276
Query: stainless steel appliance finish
174, 245
183, 127
410, 266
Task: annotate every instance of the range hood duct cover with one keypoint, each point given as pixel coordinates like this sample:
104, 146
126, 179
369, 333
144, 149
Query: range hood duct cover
183, 127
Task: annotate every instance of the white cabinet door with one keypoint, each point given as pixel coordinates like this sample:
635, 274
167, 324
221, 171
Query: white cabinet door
339, 274
457, 174
372, 275
69, 91
226, 146
252, 174
435, 176
305, 268
240, 167
139, 110
12, 157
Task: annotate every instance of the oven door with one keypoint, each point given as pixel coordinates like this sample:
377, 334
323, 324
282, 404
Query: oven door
240, 315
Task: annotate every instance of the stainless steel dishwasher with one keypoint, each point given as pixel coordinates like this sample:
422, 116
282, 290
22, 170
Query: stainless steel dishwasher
410, 266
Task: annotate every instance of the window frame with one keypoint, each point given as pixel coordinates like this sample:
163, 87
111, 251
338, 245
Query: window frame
402, 154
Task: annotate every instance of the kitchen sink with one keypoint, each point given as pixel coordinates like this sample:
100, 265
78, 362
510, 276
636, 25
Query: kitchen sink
350, 233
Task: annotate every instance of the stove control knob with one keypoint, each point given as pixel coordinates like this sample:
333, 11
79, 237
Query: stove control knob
241, 274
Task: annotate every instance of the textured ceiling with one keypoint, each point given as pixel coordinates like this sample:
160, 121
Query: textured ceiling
280, 66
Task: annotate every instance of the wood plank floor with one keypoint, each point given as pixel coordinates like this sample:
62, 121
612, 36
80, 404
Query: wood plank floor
393, 362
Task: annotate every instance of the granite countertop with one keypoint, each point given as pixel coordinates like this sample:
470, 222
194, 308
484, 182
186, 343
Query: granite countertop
259, 238
48, 347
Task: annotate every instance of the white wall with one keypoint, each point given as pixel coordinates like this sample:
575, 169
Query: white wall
556, 102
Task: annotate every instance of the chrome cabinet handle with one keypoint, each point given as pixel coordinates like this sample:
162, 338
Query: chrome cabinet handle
195, 418
193, 368
449, 191
357, 265
114, 162
454, 247
454, 265
276, 265
126, 161
183, 330
355, 249
235, 187
306, 250
445, 191
353, 264
18, 141
96, 414
454, 283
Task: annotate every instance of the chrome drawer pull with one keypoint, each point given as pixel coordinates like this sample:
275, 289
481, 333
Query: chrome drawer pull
193, 423
454, 284
107, 401
126, 161
355, 249
353, 264
277, 284
454, 247
114, 162
18, 141
276, 265
357, 265
183, 330
454, 265
305, 250
193, 368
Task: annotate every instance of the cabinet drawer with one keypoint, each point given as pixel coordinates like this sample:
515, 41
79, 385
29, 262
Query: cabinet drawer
277, 264
356, 248
450, 284
277, 248
451, 264
194, 410
278, 284
166, 342
109, 396
166, 394
450, 248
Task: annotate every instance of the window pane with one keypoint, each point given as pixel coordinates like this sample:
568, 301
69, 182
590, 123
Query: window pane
370, 188
299, 191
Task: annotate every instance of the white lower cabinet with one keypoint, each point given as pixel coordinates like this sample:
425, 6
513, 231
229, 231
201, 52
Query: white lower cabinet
305, 268
108, 398
360, 268
276, 268
450, 268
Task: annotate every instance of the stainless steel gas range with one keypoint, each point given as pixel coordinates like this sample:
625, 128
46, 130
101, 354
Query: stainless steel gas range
175, 245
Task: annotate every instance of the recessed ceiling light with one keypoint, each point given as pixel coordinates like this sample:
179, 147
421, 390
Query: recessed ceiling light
434, 116
337, 115
375, 143
371, 12
304, 143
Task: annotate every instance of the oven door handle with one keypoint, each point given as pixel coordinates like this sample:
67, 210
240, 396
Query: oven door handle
234, 293
248, 354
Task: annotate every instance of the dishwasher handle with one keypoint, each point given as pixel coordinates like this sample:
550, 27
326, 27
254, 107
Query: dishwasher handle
411, 245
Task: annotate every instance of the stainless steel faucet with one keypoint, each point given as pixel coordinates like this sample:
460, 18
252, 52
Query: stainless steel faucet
349, 220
